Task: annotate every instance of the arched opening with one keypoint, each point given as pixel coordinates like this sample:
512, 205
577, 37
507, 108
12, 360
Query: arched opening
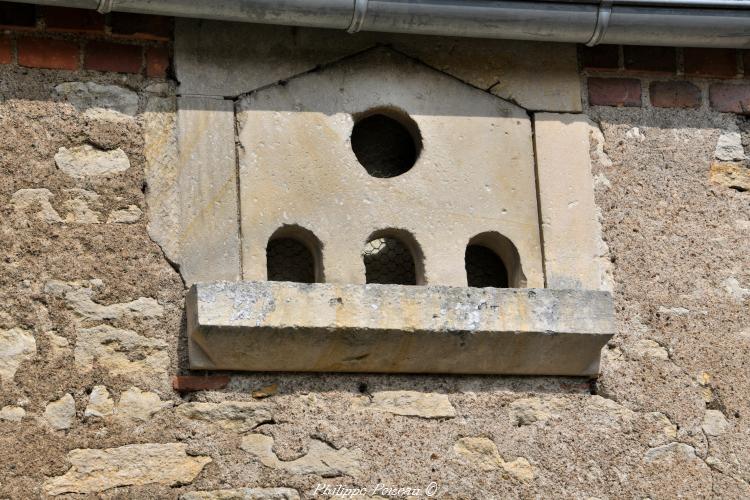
386, 142
492, 260
393, 257
294, 253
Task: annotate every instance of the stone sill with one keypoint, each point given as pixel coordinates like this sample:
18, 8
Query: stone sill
279, 326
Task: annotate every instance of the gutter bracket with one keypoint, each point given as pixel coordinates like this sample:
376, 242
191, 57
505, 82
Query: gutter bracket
358, 16
603, 15
105, 6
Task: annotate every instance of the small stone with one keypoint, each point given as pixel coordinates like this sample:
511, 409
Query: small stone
321, 458
108, 115
12, 413
714, 423
16, 346
79, 296
129, 215
731, 175
670, 453
729, 147
80, 212
82, 162
649, 349
61, 413
244, 494
23, 199
138, 406
735, 290
482, 453
265, 392
59, 345
85, 95
409, 403
236, 416
530, 410
94, 470
100, 403
635, 134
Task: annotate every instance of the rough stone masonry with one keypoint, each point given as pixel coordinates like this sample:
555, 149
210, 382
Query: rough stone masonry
92, 318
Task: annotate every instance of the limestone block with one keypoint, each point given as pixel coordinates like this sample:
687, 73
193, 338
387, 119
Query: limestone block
87, 95
60, 414
482, 453
16, 346
84, 162
474, 174
276, 326
12, 413
566, 195
207, 186
321, 459
79, 297
26, 199
409, 403
235, 416
122, 352
100, 403
136, 405
136, 464
244, 494
729, 147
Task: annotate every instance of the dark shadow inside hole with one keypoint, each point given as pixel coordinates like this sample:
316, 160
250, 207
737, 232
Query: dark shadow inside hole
485, 268
389, 262
383, 146
289, 260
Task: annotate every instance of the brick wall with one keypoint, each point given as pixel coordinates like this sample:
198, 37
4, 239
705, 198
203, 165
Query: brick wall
73, 39
667, 77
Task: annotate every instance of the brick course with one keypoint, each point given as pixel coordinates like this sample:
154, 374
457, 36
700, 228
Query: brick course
119, 58
6, 50
730, 97
661, 60
76, 20
720, 63
614, 92
157, 62
675, 95
48, 53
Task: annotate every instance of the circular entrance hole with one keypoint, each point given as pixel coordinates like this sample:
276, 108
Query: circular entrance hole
386, 142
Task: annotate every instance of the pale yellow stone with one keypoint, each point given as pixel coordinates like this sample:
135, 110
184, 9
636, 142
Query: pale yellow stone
16, 346
85, 162
409, 403
25, 199
129, 215
527, 411
482, 453
234, 416
100, 403
244, 494
60, 414
79, 296
12, 413
94, 470
136, 405
714, 423
321, 459
731, 175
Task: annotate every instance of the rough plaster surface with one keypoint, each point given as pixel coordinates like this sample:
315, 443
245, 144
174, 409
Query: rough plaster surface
679, 246
475, 172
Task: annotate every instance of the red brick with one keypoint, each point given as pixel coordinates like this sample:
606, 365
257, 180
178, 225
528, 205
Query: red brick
730, 98
115, 57
650, 59
606, 57
614, 92
48, 53
190, 383
141, 26
675, 95
720, 63
62, 19
157, 62
13, 15
6, 50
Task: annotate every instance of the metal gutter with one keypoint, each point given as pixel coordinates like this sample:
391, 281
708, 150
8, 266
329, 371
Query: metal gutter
696, 23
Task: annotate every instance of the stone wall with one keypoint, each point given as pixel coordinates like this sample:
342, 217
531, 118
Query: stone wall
92, 326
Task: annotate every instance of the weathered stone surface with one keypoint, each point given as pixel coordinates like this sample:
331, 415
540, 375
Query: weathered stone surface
321, 458
209, 245
735, 289
161, 172
16, 346
137, 464
714, 423
235, 416
649, 348
527, 411
474, 175
409, 403
79, 297
79, 210
729, 147
244, 494
60, 346
482, 453
12, 413
61, 414
100, 403
129, 215
139, 406
570, 228
85, 95
122, 352
84, 162
671, 452
731, 175
278, 326
25, 199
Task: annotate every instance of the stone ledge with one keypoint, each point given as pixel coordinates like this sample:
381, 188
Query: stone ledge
277, 326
